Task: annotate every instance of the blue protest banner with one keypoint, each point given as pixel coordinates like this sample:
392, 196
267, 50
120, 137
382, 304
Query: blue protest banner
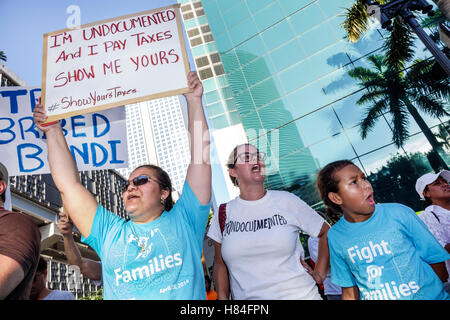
97, 140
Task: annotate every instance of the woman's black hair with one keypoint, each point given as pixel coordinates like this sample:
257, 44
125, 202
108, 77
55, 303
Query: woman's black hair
326, 182
427, 202
164, 183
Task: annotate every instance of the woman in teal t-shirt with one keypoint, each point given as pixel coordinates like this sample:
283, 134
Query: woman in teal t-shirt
157, 254
378, 251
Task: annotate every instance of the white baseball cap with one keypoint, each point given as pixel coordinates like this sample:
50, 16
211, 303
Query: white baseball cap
428, 178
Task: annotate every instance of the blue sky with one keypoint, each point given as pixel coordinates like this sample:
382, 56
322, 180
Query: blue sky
24, 22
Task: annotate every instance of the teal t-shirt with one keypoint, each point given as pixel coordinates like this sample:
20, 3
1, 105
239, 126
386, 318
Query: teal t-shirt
387, 256
157, 260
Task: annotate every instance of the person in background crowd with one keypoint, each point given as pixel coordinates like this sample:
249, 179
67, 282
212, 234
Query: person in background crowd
39, 290
20, 242
434, 189
378, 251
155, 255
256, 237
210, 294
89, 268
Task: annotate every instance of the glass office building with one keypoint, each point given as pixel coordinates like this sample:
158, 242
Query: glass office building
287, 63
157, 134
221, 109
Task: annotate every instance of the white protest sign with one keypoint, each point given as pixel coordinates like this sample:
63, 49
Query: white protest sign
114, 62
97, 141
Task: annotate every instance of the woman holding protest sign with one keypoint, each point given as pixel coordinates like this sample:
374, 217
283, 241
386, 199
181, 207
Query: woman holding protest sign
256, 238
155, 255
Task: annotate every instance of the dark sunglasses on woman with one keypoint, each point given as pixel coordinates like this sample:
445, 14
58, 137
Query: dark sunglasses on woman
138, 181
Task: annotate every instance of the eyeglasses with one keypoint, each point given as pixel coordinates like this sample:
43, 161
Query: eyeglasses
138, 181
250, 156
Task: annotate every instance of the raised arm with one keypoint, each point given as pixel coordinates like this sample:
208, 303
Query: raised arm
78, 201
90, 268
199, 170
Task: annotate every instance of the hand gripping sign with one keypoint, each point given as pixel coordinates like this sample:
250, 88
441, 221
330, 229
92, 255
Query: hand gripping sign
114, 62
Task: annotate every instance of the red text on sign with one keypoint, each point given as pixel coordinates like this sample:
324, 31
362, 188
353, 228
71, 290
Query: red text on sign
142, 38
154, 59
73, 76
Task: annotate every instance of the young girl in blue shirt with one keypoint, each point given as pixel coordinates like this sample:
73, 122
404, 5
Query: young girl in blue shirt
378, 251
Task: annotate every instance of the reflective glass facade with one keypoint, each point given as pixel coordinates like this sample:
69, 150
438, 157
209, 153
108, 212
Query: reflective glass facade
287, 63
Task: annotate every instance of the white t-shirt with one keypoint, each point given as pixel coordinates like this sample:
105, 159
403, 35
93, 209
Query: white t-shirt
261, 248
329, 287
439, 228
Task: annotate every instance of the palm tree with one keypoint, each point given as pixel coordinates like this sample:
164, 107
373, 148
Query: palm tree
400, 43
443, 135
356, 21
400, 94
2, 56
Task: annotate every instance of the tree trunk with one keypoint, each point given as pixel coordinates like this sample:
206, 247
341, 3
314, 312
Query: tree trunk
426, 131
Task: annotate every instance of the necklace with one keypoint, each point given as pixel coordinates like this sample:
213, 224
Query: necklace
141, 240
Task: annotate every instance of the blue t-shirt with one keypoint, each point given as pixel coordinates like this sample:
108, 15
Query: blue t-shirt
156, 260
387, 256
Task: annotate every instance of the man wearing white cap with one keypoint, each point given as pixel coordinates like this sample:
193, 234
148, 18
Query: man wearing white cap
20, 242
434, 189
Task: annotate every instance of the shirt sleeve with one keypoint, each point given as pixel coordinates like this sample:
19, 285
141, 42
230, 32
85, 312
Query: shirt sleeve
433, 226
340, 272
429, 249
20, 240
104, 222
313, 248
308, 219
192, 211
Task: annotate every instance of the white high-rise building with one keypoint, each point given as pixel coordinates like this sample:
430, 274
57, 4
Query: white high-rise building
157, 134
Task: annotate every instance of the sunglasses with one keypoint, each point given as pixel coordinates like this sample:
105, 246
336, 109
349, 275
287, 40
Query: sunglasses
250, 156
138, 181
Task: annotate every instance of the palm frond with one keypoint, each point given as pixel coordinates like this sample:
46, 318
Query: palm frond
422, 80
378, 61
432, 106
399, 46
371, 115
364, 74
372, 97
399, 123
2, 56
356, 21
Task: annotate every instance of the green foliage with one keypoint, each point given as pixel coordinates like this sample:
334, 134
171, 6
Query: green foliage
356, 21
400, 93
98, 295
2, 56
399, 46
395, 181
210, 215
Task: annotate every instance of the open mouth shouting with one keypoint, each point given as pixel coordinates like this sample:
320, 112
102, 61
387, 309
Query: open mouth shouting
132, 196
258, 169
370, 200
